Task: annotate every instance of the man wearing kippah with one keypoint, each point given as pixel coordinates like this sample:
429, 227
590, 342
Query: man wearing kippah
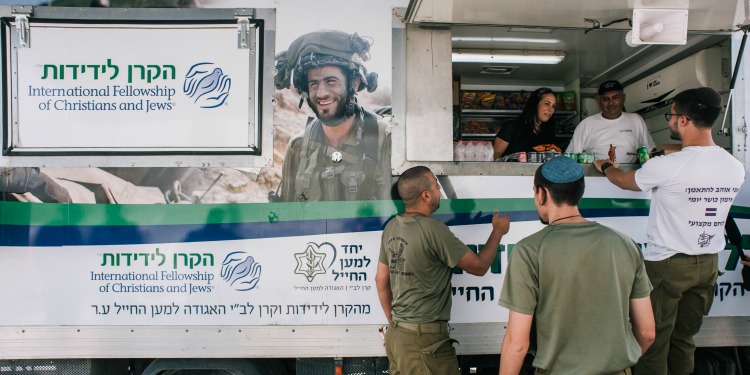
627, 131
344, 152
691, 193
583, 284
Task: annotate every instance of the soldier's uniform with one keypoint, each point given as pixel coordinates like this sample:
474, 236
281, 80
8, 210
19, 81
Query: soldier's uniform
359, 169
310, 171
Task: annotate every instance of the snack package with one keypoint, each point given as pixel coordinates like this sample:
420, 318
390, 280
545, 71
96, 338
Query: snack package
467, 99
485, 100
501, 101
569, 100
546, 147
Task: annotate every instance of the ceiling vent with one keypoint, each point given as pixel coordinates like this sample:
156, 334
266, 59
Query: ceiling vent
503, 70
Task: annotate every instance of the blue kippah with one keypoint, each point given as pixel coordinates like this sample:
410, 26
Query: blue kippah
561, 169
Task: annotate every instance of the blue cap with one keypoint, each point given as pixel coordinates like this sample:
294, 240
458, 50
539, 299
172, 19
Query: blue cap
561, 170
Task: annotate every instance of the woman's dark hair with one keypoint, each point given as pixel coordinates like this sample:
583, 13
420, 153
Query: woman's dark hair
532, 105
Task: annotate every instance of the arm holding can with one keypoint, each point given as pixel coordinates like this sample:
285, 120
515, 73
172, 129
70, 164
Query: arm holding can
622, 179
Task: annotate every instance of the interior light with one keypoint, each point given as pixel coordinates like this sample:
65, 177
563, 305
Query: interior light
508, 56
504, 40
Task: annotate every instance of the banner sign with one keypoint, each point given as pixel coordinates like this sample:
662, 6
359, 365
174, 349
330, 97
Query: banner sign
124, 87
263, 263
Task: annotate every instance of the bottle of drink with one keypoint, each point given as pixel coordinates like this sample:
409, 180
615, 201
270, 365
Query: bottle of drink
459, 150
489, 150
470, 154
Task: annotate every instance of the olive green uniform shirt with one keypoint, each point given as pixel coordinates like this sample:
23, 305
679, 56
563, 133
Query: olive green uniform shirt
420, 253
578, 279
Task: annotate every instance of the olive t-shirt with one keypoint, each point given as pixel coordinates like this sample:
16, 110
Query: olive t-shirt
420, 253
578, 279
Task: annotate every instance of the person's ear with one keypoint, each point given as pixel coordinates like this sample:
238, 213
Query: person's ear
542, 196
426, 195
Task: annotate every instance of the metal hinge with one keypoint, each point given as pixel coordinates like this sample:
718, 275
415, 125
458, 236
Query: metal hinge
243, 33
22, 29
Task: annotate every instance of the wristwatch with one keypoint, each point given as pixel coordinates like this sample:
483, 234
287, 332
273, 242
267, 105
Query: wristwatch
605, 166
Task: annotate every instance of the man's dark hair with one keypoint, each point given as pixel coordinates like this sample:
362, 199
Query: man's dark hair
532, 105
701, 105
412, 183
569, 193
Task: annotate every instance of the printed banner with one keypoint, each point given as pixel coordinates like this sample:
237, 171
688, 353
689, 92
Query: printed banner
126, 86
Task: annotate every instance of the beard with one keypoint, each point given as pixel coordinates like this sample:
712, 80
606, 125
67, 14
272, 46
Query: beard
673, 134
331, 118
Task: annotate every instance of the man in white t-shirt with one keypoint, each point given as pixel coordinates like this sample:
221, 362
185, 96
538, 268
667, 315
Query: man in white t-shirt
627, 131
691, 193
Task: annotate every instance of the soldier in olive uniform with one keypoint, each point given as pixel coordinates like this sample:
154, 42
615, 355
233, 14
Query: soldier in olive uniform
344, 152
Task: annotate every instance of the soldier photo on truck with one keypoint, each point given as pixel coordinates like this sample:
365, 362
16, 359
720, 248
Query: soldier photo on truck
344, 152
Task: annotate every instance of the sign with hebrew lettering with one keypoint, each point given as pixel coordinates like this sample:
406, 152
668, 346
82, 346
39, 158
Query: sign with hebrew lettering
118, 87
269, 264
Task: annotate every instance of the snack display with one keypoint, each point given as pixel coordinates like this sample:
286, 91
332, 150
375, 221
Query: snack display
478, 127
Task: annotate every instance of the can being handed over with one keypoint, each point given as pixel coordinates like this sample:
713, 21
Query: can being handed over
643, 155
612, 155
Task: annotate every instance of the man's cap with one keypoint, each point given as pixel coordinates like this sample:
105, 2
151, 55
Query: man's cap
561, 170
610, 86
708, 96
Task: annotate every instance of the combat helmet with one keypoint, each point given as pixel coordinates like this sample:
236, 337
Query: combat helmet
324, 48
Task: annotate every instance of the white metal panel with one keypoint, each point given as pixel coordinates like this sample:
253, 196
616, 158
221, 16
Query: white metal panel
703, 15
429, 108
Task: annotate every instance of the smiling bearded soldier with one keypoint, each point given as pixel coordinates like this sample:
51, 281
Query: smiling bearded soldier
344, 153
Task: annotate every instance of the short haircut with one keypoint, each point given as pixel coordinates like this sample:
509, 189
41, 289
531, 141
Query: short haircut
569, 193
412, 183
701, 105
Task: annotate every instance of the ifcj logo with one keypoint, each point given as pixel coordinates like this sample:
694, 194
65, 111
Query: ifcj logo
241, 271
207, 85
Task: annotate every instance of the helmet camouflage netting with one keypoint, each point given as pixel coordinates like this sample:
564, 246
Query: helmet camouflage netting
322, 48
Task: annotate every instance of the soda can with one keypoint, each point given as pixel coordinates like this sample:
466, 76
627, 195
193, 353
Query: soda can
612, 153
643, 155
592, 157
522, 157
582, 157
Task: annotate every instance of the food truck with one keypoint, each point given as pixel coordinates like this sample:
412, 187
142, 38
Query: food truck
166, 134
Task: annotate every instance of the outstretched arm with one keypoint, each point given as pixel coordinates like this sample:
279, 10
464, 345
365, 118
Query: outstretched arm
478, 264
622, 179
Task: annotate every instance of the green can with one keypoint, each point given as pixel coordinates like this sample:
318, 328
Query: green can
643, 155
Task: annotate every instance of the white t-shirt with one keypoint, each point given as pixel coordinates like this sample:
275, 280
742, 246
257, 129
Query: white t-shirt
595, 134
692, 191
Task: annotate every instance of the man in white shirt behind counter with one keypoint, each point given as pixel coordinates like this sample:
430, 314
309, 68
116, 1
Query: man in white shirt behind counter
627, 131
